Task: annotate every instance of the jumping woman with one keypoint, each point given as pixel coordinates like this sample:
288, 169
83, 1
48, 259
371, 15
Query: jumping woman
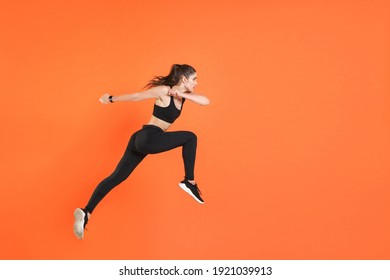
169, 93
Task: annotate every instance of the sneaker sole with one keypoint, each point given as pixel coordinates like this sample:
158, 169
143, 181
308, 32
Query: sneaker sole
187, 190
78, 227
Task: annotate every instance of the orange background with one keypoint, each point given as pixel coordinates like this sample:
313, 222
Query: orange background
293, 156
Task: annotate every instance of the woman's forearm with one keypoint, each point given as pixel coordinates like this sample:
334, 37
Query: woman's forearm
126, 97
197, 98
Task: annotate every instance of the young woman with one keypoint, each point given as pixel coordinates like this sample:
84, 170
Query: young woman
169, 93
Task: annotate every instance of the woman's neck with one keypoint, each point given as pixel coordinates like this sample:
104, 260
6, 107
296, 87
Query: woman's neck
180, 88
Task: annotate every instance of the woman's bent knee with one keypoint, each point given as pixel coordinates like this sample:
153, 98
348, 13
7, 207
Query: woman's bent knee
192, 136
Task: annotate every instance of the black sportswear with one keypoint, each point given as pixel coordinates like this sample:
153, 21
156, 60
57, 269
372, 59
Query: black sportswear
169, 113
149, 140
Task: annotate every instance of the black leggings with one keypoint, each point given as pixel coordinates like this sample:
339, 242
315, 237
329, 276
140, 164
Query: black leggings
149, 140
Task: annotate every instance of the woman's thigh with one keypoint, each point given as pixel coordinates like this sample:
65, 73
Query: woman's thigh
155, 142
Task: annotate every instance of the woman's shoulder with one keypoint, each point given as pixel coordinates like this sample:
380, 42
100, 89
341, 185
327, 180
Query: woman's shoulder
158, 91
163, 89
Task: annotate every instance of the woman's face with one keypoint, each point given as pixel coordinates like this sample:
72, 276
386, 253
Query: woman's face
190, 83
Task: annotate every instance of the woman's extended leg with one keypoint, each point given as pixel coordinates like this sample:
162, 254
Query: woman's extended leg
125, 167
127, 164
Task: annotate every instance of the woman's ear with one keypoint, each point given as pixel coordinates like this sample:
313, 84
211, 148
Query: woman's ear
184, 79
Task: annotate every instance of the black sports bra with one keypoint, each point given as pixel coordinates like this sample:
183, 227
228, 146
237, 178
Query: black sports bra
169, 113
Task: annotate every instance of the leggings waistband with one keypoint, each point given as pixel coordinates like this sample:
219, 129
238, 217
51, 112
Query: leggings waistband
153, 127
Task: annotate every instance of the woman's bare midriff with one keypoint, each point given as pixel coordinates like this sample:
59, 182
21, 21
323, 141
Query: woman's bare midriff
160, 123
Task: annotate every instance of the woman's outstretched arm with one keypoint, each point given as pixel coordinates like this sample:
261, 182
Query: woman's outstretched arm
155, 92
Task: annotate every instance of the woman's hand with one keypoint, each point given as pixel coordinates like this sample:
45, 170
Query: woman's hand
174, 93
105, 99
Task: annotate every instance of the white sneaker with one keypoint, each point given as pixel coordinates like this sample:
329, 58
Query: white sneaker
80, 221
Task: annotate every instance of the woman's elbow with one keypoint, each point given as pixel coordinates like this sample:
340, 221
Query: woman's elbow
206, 102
